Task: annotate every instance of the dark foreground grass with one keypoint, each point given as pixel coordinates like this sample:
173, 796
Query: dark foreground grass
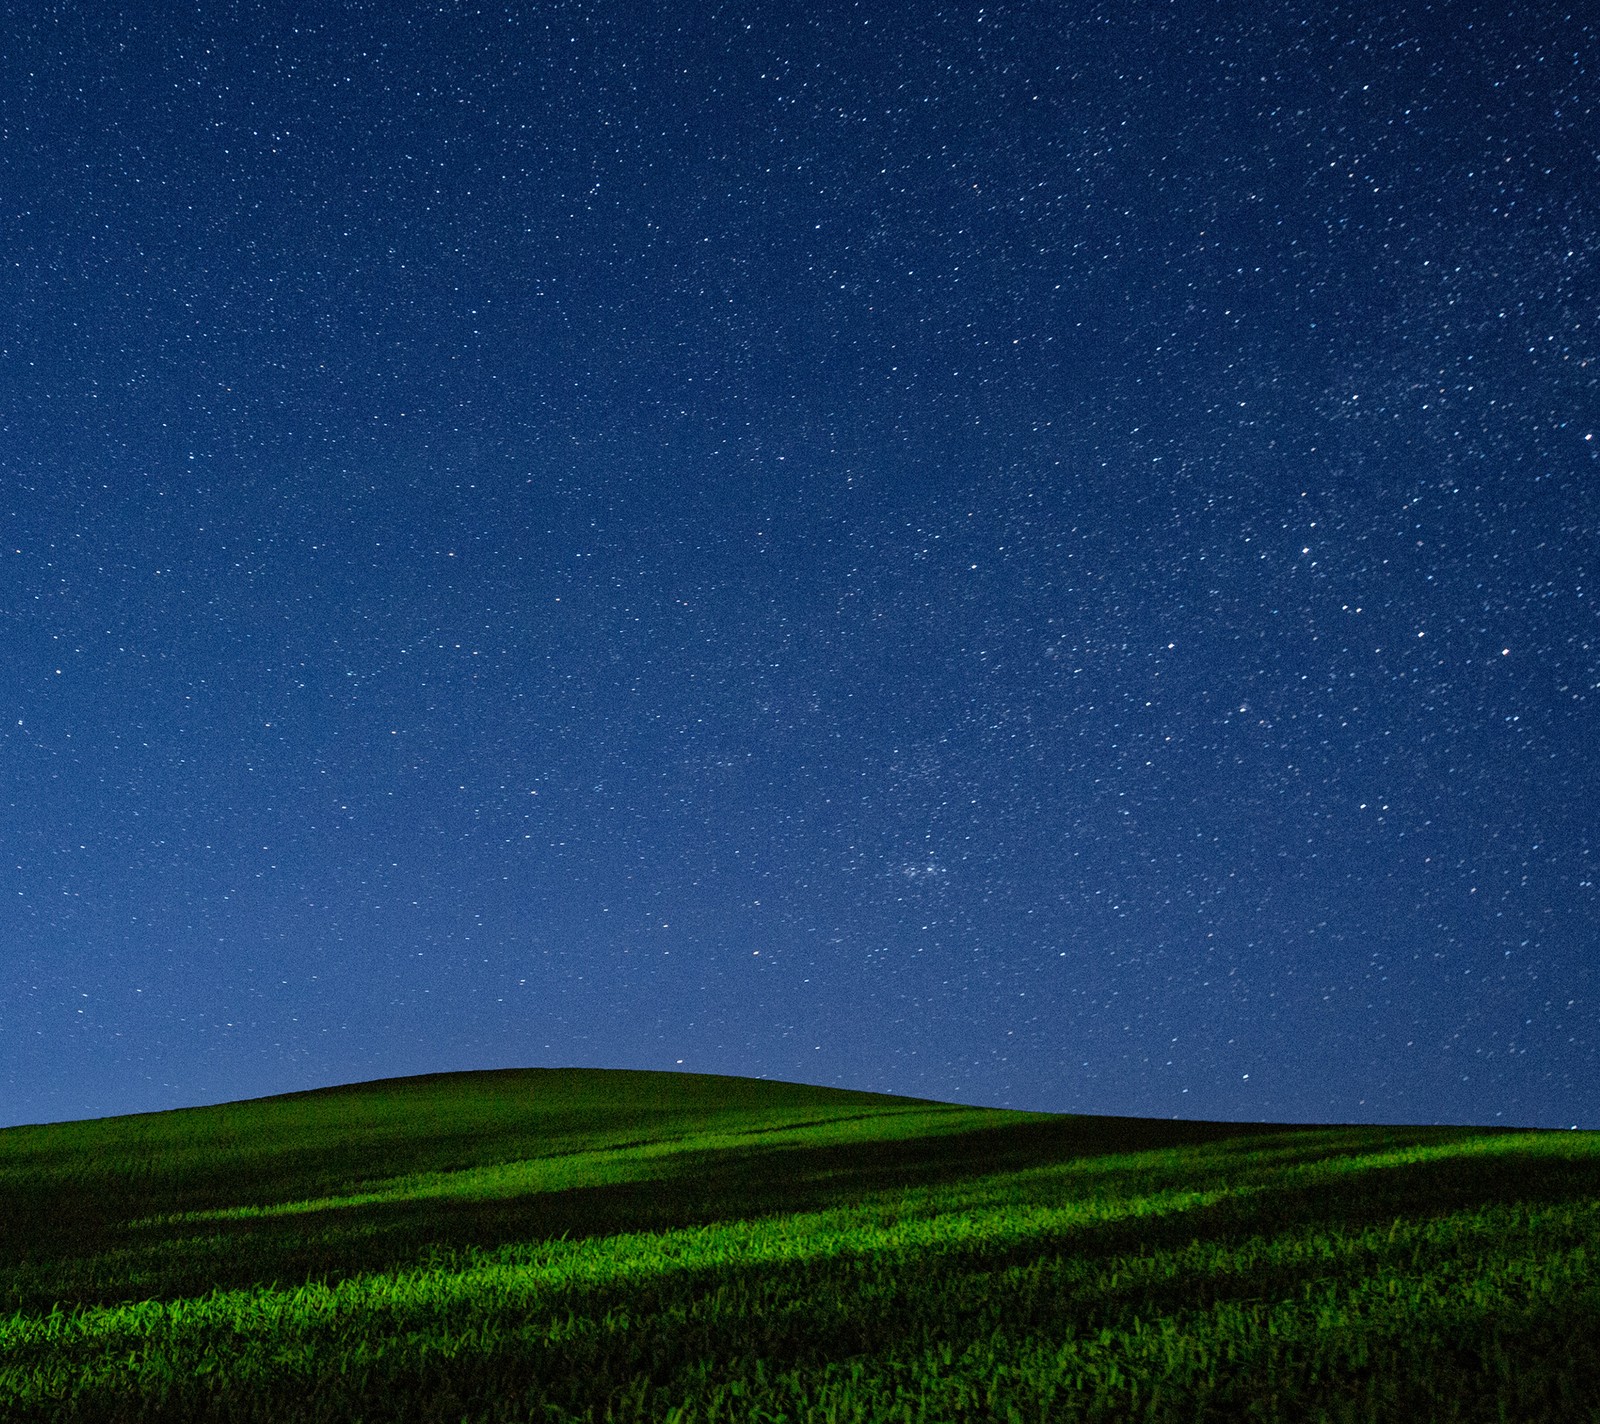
618, 1246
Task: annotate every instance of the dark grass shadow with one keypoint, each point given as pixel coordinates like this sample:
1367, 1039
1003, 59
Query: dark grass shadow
861, 1319
83, 1219
69, 1260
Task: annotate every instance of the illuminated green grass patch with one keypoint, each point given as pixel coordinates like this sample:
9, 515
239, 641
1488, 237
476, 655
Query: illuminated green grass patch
645, 1247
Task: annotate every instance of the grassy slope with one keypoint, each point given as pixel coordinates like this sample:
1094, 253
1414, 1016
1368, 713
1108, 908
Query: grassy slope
585, 1244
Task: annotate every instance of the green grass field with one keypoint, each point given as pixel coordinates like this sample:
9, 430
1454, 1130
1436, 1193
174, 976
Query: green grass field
586, 1245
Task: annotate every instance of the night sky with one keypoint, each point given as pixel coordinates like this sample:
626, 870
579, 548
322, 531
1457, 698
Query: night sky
1034, 554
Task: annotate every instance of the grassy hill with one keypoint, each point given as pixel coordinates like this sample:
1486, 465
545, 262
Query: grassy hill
587, 1245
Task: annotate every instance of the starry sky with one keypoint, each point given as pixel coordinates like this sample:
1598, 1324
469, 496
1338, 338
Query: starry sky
1031, 553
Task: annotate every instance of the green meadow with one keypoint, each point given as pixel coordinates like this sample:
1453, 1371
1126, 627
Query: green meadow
587, 1245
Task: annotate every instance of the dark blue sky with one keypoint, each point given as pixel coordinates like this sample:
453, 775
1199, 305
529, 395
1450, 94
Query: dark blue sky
1032, 554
